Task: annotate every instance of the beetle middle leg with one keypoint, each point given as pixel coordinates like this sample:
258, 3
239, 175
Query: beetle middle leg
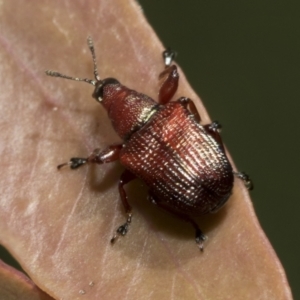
214, 130
200, 237
126, 177
189, 104
107, 155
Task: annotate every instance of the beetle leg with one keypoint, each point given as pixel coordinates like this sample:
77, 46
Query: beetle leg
214, 129
110, 154
169, 78
200, 237
189, 104
168, 56
246, 179
126, 177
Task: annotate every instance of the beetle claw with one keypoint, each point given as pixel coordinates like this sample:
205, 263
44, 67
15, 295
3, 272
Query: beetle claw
114, 238
74, 163
121, 231
200, 239
63, 165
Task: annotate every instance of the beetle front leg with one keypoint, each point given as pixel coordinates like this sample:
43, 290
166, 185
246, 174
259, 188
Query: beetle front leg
110, 154
169, 78
126, 177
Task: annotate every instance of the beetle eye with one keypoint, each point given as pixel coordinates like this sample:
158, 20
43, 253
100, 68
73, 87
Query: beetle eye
98, 92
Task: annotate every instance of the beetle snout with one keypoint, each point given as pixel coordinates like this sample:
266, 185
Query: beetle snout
100, 85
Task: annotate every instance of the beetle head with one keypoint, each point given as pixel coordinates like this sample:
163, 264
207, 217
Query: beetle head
100, 86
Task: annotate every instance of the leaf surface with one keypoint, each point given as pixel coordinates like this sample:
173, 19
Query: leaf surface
16, 285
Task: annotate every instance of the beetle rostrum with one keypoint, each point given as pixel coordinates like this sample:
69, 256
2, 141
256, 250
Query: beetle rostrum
182, 162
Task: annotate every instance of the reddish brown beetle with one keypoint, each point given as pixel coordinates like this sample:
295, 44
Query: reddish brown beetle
182, 162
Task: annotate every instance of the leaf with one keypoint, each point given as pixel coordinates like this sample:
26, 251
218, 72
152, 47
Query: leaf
15, 285
58, 224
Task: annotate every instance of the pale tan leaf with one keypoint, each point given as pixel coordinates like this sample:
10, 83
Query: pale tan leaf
16, 285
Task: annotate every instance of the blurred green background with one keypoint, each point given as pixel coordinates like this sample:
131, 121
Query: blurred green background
242, 58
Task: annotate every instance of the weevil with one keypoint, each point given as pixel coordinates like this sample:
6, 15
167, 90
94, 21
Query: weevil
182, 162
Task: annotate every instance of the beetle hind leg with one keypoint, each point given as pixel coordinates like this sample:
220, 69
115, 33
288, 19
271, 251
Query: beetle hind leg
200, 237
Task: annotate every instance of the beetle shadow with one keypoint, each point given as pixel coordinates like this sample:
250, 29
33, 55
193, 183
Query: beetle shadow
158, 223
154, 220
100, 182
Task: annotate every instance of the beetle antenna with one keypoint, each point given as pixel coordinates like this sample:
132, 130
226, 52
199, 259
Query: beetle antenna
57, 74
90, 81
92, 49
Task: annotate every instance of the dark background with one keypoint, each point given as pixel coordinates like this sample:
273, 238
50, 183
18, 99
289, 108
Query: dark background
242, 58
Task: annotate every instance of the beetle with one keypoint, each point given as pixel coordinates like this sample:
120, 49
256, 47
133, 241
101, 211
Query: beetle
182, 162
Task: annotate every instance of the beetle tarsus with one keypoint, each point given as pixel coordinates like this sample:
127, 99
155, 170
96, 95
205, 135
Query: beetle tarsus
246, 179
215, 126
200, 238
122, 230
168, 56
74, 163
